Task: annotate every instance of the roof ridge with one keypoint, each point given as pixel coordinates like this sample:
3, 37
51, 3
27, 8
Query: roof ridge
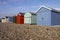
52, 9
44, 7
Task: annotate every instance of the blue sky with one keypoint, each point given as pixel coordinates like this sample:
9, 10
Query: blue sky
12, 7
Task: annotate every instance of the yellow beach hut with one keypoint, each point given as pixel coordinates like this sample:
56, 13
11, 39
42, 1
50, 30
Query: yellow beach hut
3, 20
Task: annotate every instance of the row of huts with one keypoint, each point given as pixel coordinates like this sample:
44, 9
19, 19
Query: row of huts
44, 16
21, 18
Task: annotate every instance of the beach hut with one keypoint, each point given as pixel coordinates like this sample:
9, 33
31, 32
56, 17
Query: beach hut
14, 19
30, 18
0, 19
47, 16
3, 20
20, 18
9, 19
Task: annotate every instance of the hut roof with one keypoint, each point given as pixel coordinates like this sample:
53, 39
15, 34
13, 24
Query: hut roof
32, 13
22, 14
8, 16
54, 10
3, 18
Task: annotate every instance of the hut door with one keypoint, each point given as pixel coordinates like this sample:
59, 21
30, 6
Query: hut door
41, 19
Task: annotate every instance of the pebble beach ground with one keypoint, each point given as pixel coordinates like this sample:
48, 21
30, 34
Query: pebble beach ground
12, 31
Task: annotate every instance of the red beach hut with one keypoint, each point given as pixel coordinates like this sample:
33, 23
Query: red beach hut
20, 18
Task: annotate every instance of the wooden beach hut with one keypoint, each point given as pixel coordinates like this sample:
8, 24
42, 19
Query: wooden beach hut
47, 16
14, 19
20, 18
3, 20
9, 19
30, 18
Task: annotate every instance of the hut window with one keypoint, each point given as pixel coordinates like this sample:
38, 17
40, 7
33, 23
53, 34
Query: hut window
42, 18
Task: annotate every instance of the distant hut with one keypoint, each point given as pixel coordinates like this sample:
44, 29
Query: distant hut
0, 19
30, 18
3, 20
14, 19
9, 19
20, 18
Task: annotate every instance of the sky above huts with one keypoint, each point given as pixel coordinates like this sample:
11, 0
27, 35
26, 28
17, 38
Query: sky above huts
12, 7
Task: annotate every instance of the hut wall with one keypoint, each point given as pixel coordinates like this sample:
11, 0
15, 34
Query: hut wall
55, 18
20, 19
10, 19
0, 20
27, 18
44, 17
3, 20
7, 20
33, 19
14, 19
